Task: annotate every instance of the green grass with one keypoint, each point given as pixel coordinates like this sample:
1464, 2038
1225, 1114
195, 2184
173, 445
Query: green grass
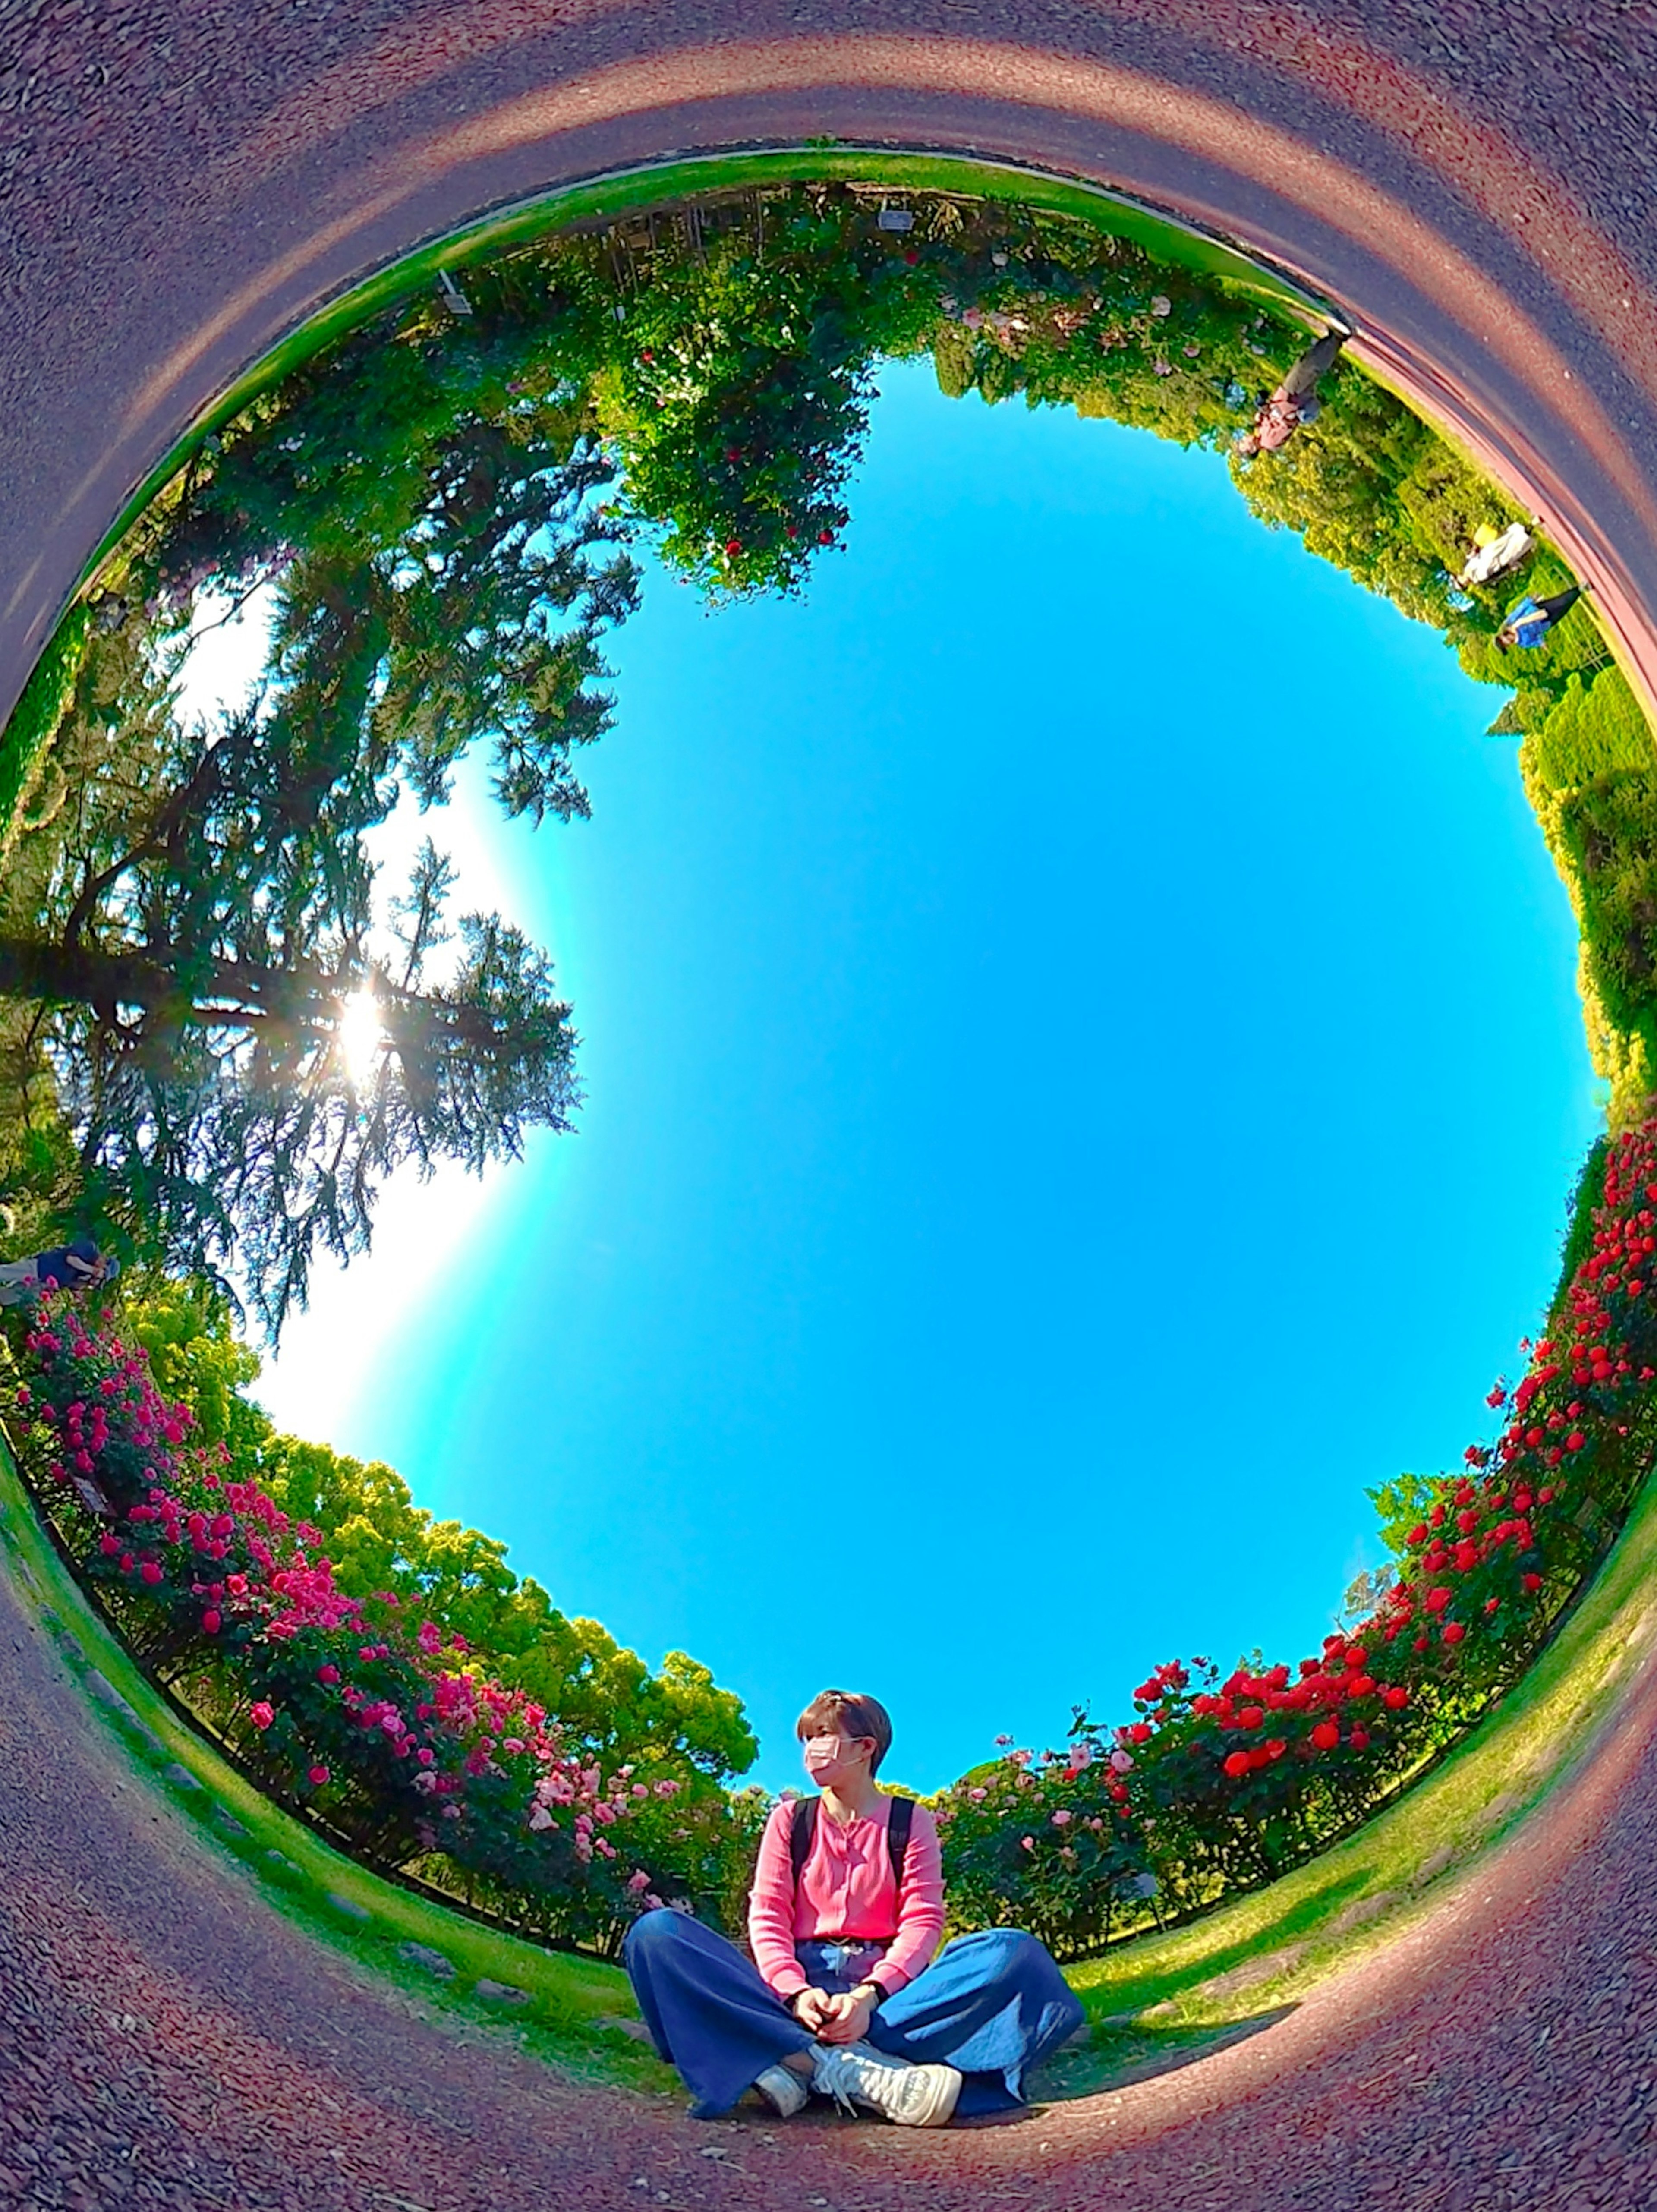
1152, 2003
1115, 213
33, 722
1278, 1940
570, 1999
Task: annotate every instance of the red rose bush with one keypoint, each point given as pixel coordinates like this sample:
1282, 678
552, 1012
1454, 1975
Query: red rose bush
401, 1743
1226, 1781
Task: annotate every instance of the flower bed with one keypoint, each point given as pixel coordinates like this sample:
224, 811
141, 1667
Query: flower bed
1220, 1782
406, 1748
372, 1716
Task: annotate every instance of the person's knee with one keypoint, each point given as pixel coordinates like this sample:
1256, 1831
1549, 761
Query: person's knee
1017, 1945
652, 1933
1018, 1952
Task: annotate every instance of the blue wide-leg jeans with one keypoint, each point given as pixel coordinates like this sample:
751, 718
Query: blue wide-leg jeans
992, 2004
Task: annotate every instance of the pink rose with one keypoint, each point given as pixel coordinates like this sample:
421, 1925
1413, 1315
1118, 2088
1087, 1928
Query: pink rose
262, 1715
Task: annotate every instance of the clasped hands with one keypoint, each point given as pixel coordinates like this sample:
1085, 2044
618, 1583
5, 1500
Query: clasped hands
842, 2019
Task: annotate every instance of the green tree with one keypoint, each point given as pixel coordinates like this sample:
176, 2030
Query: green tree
191, 966
380, 1540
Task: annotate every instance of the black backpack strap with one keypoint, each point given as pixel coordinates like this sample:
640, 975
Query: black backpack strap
802, 1833
897, 1836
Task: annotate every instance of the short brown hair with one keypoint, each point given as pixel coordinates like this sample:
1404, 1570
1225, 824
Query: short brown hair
846, 1713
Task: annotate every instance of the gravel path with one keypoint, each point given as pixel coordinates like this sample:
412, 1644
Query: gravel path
168, 2040
179, 185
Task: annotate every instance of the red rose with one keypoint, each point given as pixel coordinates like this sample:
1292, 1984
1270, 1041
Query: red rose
1237, 1765
1453, 1632
1250, 1717
1325, 1735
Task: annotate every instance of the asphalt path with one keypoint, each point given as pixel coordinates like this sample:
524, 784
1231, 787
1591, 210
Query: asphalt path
181, 185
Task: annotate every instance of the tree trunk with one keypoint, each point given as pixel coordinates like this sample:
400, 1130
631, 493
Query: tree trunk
53, 976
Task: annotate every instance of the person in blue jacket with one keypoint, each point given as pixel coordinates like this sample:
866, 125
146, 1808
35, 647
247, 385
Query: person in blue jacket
1529, 621
78, 1265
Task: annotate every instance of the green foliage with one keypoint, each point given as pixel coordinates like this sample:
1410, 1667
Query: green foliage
1401, 1504
184, 1326
426, 493
35, 717
1045, 1844
1593, 729
1608, 829
1587, 1195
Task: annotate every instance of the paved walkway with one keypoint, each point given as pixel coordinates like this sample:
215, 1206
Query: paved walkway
179, 185
168, 2040
181, 180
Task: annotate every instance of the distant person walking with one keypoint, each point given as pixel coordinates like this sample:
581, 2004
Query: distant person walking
79, 1265
1529, 621
1296, 400
1494, 554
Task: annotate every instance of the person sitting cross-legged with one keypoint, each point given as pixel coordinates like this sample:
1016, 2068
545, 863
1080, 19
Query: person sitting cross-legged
843, 1995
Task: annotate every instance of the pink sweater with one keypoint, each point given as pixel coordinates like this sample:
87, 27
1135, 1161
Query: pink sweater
846, 1894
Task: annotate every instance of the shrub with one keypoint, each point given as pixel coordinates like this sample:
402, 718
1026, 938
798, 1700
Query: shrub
1235, 1779
404, 1746
1051, 1843
1594, 729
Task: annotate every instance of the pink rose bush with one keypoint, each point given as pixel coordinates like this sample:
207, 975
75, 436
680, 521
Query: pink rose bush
1050, 1844
402, 1743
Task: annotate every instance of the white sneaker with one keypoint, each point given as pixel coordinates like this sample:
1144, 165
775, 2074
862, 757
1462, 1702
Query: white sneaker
784, 2090
913, 2096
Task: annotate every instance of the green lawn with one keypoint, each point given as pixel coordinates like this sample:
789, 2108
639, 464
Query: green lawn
1151, 2002
567, 2000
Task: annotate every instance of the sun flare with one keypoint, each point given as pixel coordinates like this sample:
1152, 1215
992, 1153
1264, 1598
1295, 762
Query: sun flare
361, 1037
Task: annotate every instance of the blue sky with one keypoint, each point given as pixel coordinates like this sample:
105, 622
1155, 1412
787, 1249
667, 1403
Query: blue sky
1084, 1070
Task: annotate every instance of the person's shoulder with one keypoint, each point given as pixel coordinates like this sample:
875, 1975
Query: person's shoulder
922, 1821
780, 1817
